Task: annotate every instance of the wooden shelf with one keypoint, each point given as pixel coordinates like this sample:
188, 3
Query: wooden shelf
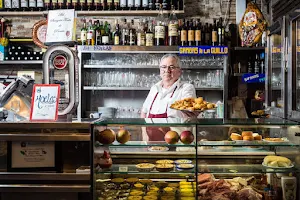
249, 48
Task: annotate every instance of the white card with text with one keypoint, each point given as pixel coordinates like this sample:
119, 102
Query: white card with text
44, 102
61, 25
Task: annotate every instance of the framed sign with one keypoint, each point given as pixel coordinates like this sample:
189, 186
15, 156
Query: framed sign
44, 102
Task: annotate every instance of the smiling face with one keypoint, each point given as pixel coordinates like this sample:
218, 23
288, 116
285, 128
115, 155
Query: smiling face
169, 70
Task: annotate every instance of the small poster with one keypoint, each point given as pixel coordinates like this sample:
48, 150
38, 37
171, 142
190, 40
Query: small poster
61, 26
32, 155
44, 102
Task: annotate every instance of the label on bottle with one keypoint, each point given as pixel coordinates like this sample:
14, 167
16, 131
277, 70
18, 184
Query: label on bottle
7, 3
149, 39
117, 40
183, 35
24, 3
90, 2
40, 3
145, 3
214, 37
89, 35
16, 4
47, 1
123, 3
108, 1
105, 39
32, 3
191, 35
97, 2
83, 35
160, 32
141, 39
219, 31
117, 2
137, 3
61, 1
129, 3
198, 35
173, 31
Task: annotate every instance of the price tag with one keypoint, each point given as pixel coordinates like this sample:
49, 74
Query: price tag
123, 169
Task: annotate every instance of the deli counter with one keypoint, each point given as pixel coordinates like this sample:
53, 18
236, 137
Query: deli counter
198, 159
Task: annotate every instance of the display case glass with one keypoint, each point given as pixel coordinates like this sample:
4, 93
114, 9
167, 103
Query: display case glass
191, 156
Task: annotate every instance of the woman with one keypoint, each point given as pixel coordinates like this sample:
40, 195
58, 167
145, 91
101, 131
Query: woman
164, 93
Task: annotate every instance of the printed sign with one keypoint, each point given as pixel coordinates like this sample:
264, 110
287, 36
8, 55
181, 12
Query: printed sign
61, 26
32, 154
253, 78
44, 103
204, 50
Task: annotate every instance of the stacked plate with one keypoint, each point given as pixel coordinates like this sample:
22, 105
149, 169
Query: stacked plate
107, 112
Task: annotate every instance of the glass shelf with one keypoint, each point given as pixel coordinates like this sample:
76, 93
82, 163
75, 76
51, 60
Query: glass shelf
146, 144
190, 122
131, 169
242, 169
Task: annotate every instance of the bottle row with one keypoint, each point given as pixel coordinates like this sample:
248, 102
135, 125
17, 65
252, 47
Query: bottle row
254, 64
161, 31
34, 5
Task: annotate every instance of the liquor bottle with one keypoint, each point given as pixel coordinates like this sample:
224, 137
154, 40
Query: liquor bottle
151, 4
110, 5
159, 35
262, 63
132, 35
221, 32
210, 33
54, 4
105, 36
198, 35
117, 4
214, 34
24, 5
256, 64
191, 34
180, 4
174, 3
97, 5
130, 4
249, 65
157, 4
89, 4
83, 33
173, 28
150, 35
32, 5
141, 36
40, 5
145, 4
137, 4
82, 4
15, 5
123, 4
117, 35
207, 35
165, 4
183, 34
7, 4
89, 36
69, 4
125, 33
75, 4
98, 36
103, 4
61, 4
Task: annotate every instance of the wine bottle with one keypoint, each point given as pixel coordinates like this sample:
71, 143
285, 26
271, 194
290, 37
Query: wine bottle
110, 5
159, 36
83, 34
117, 35
198, 33
61, 4
149, 35
117, 4
24, 5
8, 4
54, 4
15, 4
123, 4
183, 34
137, 4
141, 37
130, 4
145, 4
89, 4
214, 34
173, 28
191, 34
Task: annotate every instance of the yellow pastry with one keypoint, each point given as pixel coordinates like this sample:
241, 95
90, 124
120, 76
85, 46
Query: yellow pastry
136, 193
135, 197
186, 190
150, 197
184, 183
152, 193
138, 185
153, 188
186, 187
168, 189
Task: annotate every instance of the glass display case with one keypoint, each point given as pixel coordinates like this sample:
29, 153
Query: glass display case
195, 159
117, 79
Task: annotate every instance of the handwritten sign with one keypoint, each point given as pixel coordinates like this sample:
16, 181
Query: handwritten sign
61, 26
44, 102
204, 50
253, 78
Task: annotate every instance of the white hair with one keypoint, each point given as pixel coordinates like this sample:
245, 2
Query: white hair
174, 56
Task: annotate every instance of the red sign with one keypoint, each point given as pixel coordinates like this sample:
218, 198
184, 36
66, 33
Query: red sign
60, 62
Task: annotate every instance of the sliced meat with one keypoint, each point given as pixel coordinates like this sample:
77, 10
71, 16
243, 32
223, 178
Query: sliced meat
248, 194
202, 178
205, 185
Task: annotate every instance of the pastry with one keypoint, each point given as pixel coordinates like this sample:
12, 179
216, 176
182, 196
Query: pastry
168, 189
164, 167
256, 136
138, 185
183, 161
185, 166
236, 136
135, 197
164, 162
132, 180
145, 181
247, 133
274, 139
136, 193
277, 161
173, 184
117, 180
248, 138
146, 167
150, 197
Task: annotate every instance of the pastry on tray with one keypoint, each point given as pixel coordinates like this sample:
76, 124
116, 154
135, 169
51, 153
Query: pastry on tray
145, 167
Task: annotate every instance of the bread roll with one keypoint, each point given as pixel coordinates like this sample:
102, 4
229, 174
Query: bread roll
247, 133
277, 161
235, 136
248, 138
257, 136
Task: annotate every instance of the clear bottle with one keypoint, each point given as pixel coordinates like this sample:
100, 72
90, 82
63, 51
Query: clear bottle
150, 35
173, 28
130, 4
125, 33
123, 4
98, 34
159, 36
24, 5
145, 4
32, 5
141, 36
90, 34
132, 34
137, 4
15, 4
105, 36
8, 4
